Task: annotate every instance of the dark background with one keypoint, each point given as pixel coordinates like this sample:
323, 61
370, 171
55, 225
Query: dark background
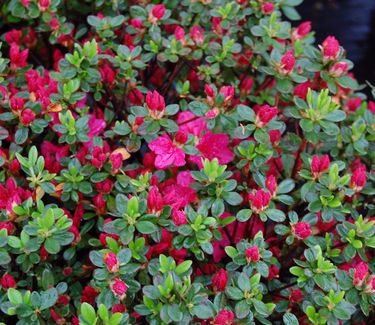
352, 22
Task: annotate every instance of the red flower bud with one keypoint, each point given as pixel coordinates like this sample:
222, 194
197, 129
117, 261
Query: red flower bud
296, 295
267, 8
370, 285
287, 62
275, 136
252, 254
7, 281
361, 272
224, 317
319, 165
301, 230
156, 104
8, 226
27, 117
264, 115
157, 13
271, 184
259, 200
196, 35
111, 261
338, 69
155, 202
302, 30
358, 179
246, 85
119, 288
43, 5
179, 218
219, 280
330, 48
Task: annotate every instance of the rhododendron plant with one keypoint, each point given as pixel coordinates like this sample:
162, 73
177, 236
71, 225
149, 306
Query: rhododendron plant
181, 162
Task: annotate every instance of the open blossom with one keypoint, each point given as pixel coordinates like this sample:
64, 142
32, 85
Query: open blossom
219, 280
319, 165
111, 262
264, 115
252, 254
167, 152
301, 230
330, 48
156, 104
213, 146
224, 317
259, 200
358, 179
361, 271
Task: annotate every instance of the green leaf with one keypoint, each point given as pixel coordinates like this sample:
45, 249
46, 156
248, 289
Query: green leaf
343, 310
14, 296
146, 227
203, 311
244, 215
21, 135
183, 267
275, 215
261, 308
88, 313
52, 246
290, 319
48, 298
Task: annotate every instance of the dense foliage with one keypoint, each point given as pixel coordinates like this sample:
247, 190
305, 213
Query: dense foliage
181, 162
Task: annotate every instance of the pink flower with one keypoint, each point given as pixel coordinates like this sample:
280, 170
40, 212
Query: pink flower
371, 106
111, 261
167, 152
301, 230
264, 115
190, 124
361, 272
287, 62
358, 179
178, 196
224, 317
119, 288
44, 4
319, 165
13, 36
302, 30
252, 254
156, 104
179, 217
99, 157
228, 93
7, 281
27, 117
353, 104
157, 13
259, 200
213, 146
301, 89
179, 33
155, 202
267, 8
330, 48
219, 280
271, 184
197, 35
116, 161
338, 69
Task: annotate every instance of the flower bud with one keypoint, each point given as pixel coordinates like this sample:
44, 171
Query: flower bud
155, 202
271, 184
319, 165
119, 288
358, 179
252, 254
301, 230
361, 272
179, 218
338, 69
224, 317
7, 281
302, 30
259, 200
111, 261
156, 104
287, 63
219, 280
264, 115
157, 13
330, 48
267, 8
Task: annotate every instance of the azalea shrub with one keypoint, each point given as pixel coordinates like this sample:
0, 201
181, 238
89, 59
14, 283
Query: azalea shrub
181, 162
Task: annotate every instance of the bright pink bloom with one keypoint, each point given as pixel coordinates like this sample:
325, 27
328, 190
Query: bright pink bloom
190, 124
330, 48
319, 165
224, 317
179, 218
219, 280
259, 200
252, 254
353, 104
213, 146
264, 115
371, 106
178, 196
167, 152
17, 103
361, 272
111, 262
301, 230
